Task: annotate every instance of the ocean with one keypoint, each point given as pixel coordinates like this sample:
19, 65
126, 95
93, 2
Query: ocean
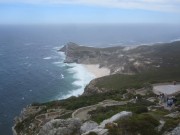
32, 70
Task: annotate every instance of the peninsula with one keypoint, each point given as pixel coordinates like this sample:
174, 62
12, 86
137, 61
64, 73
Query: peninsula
127, 100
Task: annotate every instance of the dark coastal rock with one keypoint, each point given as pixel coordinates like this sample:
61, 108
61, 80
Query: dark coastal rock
91, 89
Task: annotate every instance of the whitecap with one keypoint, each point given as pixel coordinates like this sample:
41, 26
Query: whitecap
60, 63
82, 76
62, 76
47, 58
62, 54
58, 47
174, 40
57, 62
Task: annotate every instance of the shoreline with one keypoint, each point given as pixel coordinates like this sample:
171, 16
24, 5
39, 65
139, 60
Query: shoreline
96, 71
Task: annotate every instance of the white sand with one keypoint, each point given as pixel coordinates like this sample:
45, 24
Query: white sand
166, 89
96, 71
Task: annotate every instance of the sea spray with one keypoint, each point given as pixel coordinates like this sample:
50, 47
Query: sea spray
80, 74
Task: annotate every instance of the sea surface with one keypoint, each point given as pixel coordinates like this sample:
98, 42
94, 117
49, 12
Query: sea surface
32, 70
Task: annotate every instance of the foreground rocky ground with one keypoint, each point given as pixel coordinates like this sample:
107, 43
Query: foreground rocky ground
103, 118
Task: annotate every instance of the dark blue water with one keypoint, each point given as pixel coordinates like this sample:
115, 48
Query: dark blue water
31, 70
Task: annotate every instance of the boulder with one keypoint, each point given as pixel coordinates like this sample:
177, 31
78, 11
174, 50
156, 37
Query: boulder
116, 117
174, 115
87, 126
98, 131
61, 127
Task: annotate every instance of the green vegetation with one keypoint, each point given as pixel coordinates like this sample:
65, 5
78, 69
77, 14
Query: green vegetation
143, 124
118, 82
92, 133
24, 125
73, 103
178, 101
102, 113
170, 124
65, 116
159, 113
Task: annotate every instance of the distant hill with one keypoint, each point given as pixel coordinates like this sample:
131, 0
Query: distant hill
126, 60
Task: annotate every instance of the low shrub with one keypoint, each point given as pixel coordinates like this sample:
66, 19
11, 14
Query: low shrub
143, 124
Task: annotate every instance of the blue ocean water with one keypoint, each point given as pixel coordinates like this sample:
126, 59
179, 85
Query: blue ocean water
31, 69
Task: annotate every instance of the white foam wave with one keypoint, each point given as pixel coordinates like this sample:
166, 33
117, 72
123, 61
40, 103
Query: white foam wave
47, 58
57, 47
62, 76
178, 39
82, 76
62, 54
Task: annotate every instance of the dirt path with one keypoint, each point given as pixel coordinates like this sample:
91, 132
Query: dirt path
82, 113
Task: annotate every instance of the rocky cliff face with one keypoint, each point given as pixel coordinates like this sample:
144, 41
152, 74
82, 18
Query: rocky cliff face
125, 60
92, 89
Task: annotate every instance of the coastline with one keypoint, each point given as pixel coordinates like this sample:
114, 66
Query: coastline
84, 74
96, 71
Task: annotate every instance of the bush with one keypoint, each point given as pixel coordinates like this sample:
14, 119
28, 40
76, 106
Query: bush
143, 124
170, 124
141, 109
92, 133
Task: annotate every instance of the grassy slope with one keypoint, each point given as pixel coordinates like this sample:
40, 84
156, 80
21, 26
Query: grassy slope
117, 82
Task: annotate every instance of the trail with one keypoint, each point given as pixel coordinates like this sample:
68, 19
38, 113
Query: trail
82, 113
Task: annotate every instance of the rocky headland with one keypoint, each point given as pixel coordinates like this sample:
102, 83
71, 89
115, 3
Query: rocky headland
122, 103
125, 60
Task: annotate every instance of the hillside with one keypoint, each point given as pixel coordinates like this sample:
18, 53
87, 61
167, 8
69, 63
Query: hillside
124, 100
126, 60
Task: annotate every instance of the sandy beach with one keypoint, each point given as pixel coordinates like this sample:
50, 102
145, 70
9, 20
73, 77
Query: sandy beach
96, 71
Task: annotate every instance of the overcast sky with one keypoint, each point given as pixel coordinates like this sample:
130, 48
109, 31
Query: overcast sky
89, 11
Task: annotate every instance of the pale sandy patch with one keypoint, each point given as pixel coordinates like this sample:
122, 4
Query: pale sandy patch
96, 71
166, 89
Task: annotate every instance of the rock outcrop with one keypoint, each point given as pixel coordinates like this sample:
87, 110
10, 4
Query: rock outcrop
174, 115
118, 116
101, 130
97, 131
175, 131
91, 88
61, 127
88, 126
